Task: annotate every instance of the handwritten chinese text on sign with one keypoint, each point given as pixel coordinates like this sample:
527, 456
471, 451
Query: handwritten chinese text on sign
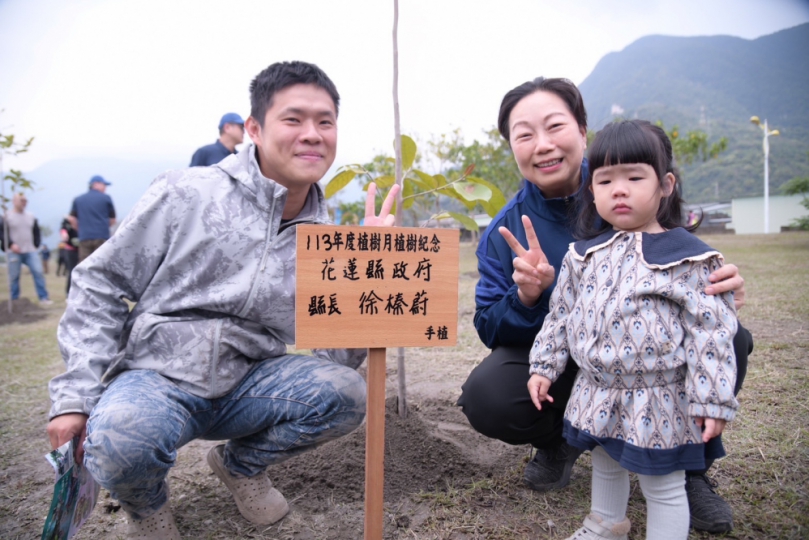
376, 287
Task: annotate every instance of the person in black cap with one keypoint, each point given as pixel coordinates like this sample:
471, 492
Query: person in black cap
92, 214
231, 133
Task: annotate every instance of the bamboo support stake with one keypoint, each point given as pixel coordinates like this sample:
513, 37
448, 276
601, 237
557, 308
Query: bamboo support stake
397, 143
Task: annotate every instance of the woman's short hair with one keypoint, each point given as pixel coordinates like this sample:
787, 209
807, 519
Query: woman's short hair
563, 88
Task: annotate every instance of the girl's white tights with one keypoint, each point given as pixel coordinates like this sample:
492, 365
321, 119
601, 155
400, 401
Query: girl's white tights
666, 501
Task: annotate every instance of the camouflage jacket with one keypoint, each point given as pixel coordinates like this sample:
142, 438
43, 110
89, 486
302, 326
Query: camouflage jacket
211, 272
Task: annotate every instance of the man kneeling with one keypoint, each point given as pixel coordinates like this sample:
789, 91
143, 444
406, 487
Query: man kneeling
208, 257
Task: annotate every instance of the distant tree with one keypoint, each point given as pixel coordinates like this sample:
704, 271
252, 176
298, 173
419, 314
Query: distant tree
799, 186
694, 146
351, 212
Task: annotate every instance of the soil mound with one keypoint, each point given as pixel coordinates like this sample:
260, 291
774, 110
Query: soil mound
431, 450
23, 311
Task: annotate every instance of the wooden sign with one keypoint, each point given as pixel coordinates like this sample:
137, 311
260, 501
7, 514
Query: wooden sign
376, 287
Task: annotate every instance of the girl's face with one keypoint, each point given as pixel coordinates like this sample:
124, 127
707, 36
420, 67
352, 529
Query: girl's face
628, 196
548, 143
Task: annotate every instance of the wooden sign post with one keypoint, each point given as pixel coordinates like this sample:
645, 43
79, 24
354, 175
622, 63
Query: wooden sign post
376, 287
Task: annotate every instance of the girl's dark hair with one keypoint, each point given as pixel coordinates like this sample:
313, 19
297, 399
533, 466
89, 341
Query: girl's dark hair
563, 88
631, 141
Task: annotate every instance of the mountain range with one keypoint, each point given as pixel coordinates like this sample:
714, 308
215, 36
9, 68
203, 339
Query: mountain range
715, 84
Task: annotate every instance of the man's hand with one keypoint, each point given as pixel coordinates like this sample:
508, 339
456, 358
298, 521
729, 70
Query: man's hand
15, 249
385, 218
727, 279
538, 387
713, 427
532, 273
66, 426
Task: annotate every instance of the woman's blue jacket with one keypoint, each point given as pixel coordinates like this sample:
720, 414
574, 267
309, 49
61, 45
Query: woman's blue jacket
500, 317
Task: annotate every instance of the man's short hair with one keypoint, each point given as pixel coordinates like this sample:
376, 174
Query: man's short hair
282, 75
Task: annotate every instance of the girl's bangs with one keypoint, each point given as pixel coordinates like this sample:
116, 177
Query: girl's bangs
622, 143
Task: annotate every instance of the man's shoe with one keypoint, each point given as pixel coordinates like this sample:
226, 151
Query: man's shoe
551, 467
709, 511
257, 500
158, 526
46, 302
595, 528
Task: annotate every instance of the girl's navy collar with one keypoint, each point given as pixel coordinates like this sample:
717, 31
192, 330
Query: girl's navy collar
660, 250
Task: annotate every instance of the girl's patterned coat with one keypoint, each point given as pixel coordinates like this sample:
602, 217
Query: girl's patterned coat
654, 350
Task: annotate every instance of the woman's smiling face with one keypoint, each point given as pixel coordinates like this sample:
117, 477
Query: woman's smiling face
548, 143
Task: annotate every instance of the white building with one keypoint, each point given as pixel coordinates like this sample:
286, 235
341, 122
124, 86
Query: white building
747, 214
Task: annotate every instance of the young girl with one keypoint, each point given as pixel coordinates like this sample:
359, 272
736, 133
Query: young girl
657, 372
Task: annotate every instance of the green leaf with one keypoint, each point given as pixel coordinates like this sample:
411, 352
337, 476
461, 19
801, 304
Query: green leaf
472, 191
440, 180
417, 181
408, 152
464, 220
354, 167
408, 188
497, 200
339, 182
489, 208
426, 178
407, 192
384, 182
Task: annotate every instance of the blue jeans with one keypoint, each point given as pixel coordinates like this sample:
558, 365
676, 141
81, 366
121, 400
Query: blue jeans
284, 407
34, 263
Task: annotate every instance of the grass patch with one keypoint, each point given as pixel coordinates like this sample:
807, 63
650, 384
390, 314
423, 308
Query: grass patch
764, 477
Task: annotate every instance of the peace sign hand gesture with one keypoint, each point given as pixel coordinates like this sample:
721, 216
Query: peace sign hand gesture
385, 218
532, 273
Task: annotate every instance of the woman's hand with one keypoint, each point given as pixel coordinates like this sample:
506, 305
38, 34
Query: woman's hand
713, 427
385, 218
538, 389
532, 273
726, 279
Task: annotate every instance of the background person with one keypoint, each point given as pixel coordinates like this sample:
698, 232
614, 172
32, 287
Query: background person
68, 249
45, 253
231, 133
93, 215
208, 255
23, 248
545, 123
61, 264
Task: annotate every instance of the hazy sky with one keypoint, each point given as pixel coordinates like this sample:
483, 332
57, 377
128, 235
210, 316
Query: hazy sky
150, 78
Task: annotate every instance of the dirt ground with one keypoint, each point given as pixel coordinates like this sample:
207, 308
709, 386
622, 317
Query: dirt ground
442, 479
432, 452
22, 311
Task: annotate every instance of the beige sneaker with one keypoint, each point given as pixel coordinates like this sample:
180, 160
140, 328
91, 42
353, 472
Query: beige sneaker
258, 501
595, 528
158, 526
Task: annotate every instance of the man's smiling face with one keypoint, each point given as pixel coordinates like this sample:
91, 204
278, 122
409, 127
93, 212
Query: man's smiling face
298, 141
